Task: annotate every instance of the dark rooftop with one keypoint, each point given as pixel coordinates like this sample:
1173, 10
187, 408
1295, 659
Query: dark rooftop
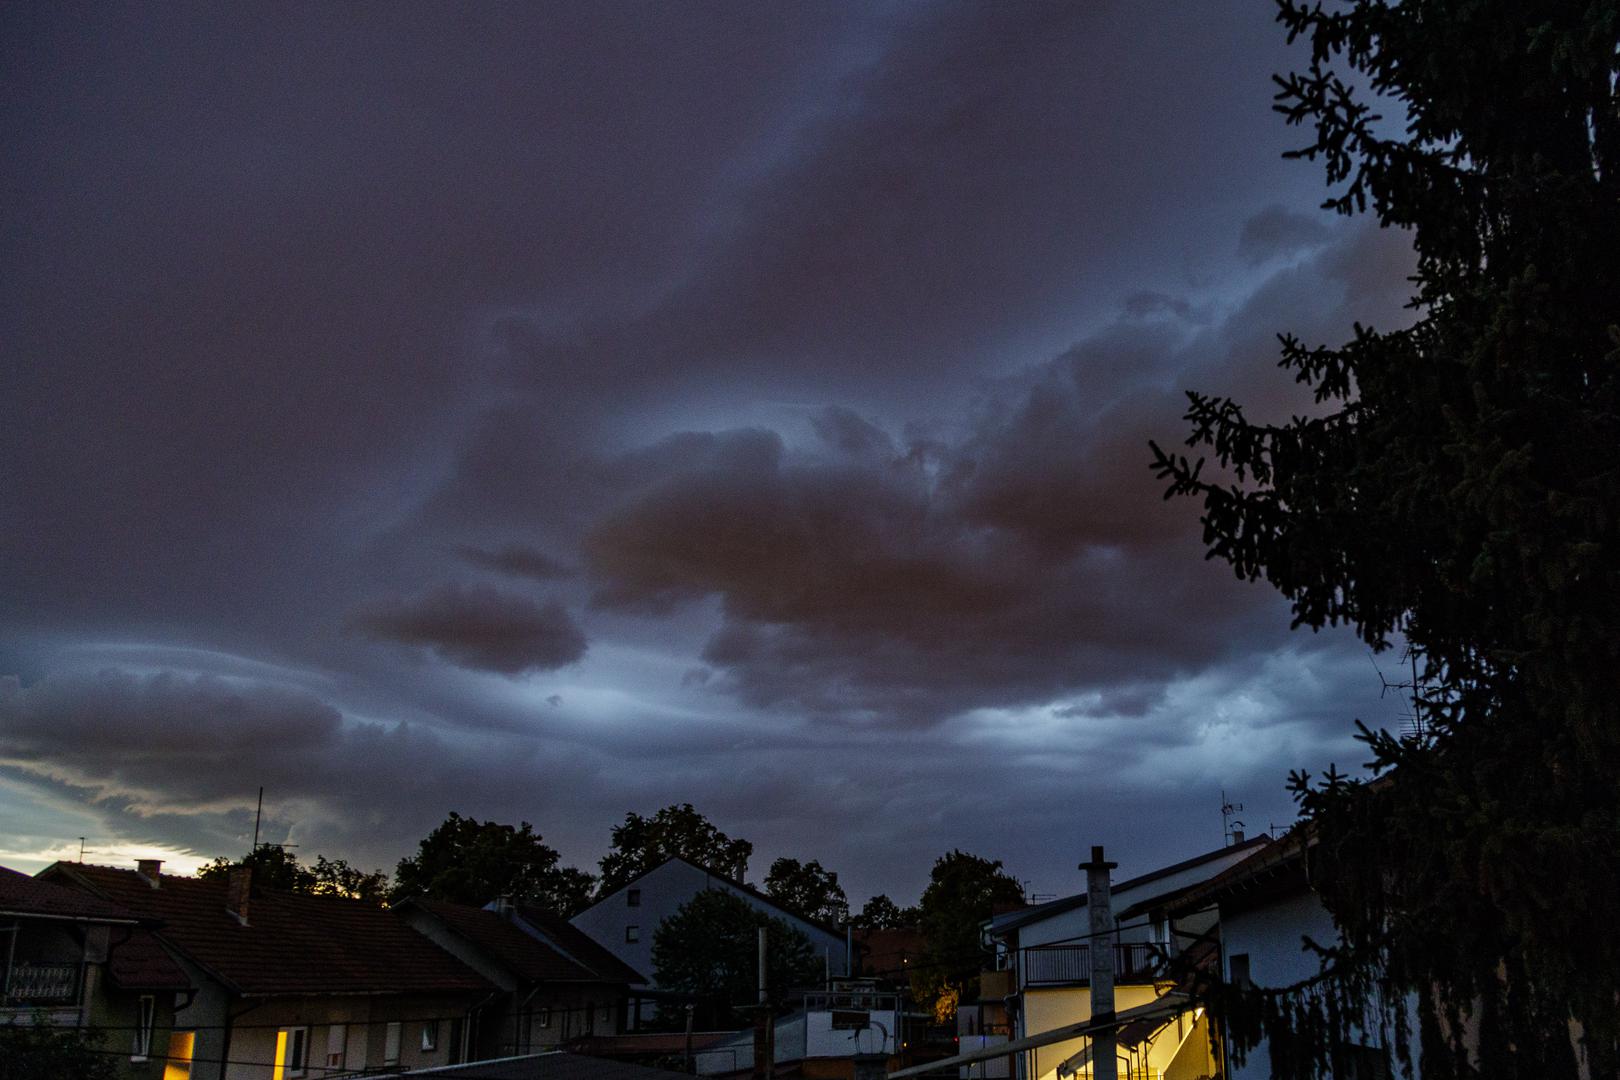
24, 895
292, 943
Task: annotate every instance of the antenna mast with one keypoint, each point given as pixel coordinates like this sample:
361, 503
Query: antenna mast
260, 814
1231, 828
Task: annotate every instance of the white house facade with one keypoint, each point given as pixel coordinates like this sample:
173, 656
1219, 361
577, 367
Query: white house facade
623, 921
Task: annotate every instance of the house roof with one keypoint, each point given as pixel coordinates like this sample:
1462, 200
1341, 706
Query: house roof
579, 946
1024, 917
519, 951
740, 886
142, 963
24, 895
1270, 870
293, 944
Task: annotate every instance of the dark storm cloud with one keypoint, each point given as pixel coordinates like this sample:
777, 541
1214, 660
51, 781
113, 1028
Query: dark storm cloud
519, 560
1277, 231
1032, 558
479, 626
792, 328
188, 752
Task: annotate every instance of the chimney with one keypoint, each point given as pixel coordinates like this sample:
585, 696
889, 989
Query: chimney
1100, 908
504, 907
238, 889
1237, 836
151, 870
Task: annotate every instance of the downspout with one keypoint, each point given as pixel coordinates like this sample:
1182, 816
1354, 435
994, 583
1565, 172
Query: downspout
472, 1019
225, 1044
11, 957
517, 1018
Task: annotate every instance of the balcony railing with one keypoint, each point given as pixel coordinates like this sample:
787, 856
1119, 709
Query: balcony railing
1070, 965
43, 983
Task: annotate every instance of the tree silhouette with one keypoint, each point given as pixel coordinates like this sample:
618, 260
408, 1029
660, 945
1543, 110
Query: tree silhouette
1460, 488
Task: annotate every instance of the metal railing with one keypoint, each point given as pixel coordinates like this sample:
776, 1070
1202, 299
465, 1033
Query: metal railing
43, 983
1070, 965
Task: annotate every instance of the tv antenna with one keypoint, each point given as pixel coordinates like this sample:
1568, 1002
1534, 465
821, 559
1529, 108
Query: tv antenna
1231, 827
257, 815
1413, 727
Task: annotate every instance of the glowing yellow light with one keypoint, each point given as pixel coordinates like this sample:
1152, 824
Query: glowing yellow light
181, 1045
281, 1056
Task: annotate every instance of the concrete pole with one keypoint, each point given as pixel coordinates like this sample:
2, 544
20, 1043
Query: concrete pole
765, 1032
1100, 908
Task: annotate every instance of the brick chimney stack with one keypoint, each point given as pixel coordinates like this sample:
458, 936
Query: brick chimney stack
238, 890
151, 870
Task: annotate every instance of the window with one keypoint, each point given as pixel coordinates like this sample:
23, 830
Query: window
292, 1052
544, 1018
632, 934
632, 898
147, 1011
181, 1046
337, 1045
1237, 966
391, 1044
430, 1035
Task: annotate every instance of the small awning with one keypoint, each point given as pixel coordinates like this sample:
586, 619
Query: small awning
1163, 1008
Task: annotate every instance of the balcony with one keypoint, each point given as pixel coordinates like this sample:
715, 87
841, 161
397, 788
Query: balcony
42, 984
1070, 965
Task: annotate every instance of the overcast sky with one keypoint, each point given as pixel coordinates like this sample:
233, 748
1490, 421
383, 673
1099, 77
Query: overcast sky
545, 412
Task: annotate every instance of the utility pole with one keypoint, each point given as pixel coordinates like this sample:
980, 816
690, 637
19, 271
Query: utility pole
1100, 908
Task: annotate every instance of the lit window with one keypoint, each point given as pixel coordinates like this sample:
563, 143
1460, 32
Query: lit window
337, 1045
181, 1046
632, 934
292, 1052
143, 1028
632, 898
430, 1035
391, 1044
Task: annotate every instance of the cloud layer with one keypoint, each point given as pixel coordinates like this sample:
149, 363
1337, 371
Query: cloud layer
544, 413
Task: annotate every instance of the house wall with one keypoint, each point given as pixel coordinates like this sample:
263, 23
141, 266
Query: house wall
116, 1014
1272, 937
1059, 1007
204, 1014
662, 892
365, 1022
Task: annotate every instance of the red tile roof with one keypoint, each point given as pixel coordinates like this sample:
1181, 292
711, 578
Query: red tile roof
23, 895
520, 951
580, 946
292, 944
141, 963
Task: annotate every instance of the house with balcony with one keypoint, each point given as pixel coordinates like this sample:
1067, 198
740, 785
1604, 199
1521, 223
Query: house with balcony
1034, 1008
289, 985
76, 960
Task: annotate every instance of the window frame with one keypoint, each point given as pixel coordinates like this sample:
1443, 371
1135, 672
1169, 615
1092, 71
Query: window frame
632, 898
393, 1036
632, 934
145, 1022
296, 1062
430, 1035
338, 1033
